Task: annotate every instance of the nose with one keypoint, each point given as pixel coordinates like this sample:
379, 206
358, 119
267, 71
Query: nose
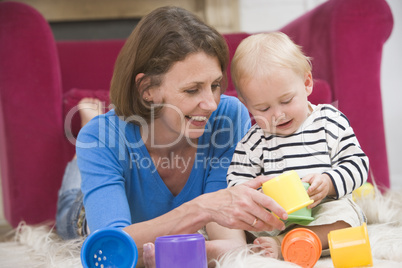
277, 114
208, 102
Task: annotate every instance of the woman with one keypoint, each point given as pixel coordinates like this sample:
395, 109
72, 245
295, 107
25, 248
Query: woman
155, 164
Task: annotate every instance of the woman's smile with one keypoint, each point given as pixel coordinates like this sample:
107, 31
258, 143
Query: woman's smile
197, 120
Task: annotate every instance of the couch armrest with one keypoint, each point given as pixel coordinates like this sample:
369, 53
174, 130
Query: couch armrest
31, 127
345, 40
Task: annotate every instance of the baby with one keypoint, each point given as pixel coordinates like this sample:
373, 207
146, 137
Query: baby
273, 79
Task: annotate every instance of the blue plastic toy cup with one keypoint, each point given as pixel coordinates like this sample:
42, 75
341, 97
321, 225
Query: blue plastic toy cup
109, 247
181, 251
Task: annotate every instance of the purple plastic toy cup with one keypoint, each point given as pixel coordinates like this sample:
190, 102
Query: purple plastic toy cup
181, 251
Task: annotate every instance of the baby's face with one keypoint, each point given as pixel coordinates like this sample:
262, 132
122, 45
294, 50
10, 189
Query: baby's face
278, 102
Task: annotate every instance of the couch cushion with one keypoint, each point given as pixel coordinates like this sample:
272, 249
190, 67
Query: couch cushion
321, 92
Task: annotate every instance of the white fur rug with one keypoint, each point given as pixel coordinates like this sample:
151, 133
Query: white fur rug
39, 246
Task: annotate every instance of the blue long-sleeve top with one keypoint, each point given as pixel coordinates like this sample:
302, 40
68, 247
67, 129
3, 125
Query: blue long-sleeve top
120, 183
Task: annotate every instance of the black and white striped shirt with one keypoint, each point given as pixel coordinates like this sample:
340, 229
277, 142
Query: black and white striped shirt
324, 143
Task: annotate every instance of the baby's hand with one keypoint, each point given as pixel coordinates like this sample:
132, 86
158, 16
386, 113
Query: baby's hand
320, 187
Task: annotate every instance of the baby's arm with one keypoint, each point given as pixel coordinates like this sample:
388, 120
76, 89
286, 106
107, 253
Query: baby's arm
349, 163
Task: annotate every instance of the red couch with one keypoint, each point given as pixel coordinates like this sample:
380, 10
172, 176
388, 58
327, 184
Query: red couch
41, 80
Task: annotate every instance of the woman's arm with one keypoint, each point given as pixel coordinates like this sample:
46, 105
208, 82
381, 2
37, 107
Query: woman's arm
235, 208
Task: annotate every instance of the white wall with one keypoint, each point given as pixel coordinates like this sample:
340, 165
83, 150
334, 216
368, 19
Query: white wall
266, 15
269, 15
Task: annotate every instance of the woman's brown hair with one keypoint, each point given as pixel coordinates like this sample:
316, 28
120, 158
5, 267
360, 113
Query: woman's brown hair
163, 37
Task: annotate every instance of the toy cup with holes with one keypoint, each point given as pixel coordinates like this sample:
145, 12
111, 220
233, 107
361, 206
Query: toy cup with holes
302, 247
303, 215
181, 251
109, 247
288, 191
350, 247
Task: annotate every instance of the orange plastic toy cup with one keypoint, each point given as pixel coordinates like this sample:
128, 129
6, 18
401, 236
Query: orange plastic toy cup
302, 247
350, 247
288, 191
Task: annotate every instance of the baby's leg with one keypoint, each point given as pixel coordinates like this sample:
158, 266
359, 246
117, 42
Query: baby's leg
322, 231
270, 246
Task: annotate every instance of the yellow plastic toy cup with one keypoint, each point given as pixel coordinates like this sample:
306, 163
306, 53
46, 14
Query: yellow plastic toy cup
288, 191
302, 247
302, 216
364, 191
350, 247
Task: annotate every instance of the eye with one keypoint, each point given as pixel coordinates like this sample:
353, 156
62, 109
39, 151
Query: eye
264, 110
191, 91
216, 86
287, 101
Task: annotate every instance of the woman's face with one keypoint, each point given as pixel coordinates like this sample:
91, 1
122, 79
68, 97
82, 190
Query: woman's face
190, 92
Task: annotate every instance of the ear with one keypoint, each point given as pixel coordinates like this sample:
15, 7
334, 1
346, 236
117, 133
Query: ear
142, 87
308, 83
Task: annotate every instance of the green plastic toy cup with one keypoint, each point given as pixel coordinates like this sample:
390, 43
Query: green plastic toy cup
302, 216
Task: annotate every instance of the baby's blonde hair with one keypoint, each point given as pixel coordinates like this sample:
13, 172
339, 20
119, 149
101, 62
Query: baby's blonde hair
260, 54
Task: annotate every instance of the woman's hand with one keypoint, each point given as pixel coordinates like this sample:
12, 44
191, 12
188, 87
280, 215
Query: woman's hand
320, 187
243, 207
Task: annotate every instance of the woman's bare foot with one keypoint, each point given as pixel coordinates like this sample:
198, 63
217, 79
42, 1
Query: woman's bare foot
269, 246
89, 108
